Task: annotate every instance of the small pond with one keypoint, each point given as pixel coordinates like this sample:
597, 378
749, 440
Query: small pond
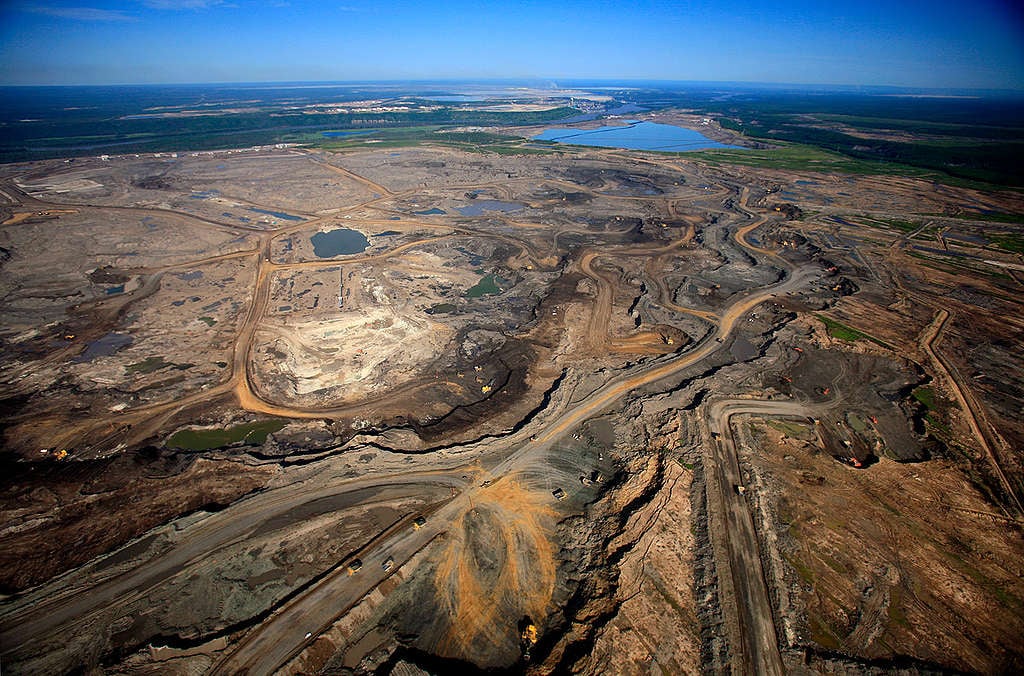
487, 286
277, 214
103, 347
338, 242
480, 206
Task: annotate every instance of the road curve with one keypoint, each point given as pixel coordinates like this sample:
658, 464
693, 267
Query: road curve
276, 641
264, 651
618, 387
754, 640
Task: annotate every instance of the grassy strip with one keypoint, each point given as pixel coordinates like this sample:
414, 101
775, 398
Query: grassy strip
905, 226
840, 331
946, 262
991, 218
848, 333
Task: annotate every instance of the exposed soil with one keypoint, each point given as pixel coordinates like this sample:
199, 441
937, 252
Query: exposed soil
484, 442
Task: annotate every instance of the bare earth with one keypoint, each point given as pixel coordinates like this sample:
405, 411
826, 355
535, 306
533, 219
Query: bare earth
675, 418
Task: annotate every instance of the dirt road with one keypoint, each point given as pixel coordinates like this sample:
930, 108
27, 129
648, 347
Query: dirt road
758, 627
86, 593
753, 638
966, 400
274, 642
38, 615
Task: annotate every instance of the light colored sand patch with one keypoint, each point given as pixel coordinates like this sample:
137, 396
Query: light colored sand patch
355, 348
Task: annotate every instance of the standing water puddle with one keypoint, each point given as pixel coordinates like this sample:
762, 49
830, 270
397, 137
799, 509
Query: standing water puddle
478, 208
103, 347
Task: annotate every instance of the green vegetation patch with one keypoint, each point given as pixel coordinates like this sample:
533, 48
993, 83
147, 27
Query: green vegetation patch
905, 226
895, 609
148, 365
936, 407
154, 364
834, 564
821, 633
840, 330
684, 464
209, 321
805, 573
925, 395
933, 420
847, 333
250, 434
1008, 241
487, 286
858, 425
792, 429
984, 581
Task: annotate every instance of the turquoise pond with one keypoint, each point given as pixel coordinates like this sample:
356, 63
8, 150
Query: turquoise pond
634, 136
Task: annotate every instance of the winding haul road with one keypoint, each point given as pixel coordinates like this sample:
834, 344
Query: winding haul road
282, 636
275, 642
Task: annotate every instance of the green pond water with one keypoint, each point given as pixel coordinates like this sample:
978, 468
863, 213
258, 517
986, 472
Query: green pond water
487, 286
251, 434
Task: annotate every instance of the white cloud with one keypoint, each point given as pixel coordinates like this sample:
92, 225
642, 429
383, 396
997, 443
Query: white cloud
80, 13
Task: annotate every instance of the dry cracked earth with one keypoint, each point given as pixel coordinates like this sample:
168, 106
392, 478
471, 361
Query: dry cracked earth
420, 410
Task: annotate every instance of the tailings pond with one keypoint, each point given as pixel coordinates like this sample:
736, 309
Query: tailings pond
634, 136
479, 207
338, 242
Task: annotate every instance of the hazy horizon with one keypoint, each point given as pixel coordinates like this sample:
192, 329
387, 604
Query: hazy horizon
538, 84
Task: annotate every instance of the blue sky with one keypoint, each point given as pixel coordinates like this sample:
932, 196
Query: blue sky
912, 43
